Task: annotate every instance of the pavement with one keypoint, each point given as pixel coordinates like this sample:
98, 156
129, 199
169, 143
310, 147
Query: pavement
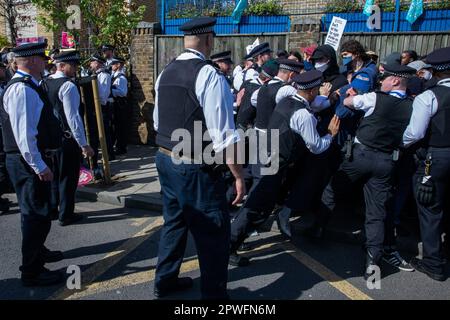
115, 249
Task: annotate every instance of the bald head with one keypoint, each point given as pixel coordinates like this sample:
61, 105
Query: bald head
201, 42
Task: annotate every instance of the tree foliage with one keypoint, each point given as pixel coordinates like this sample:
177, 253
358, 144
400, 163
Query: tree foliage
110, 21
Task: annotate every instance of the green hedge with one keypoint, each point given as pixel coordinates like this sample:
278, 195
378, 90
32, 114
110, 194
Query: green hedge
385, 5
256, 8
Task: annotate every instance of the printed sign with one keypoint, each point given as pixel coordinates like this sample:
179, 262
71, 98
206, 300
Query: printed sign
335, 32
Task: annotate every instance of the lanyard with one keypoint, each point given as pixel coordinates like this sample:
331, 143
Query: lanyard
196, 53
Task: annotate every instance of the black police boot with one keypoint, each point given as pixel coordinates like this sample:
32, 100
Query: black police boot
52, 256
5, 205
371, 266
316, 231
238, 260
179, 284
283, 223
44, 278
421, 267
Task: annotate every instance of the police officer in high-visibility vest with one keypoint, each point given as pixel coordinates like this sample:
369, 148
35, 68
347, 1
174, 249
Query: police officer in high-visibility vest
375, 151
31, 138
64, 97
191, 93
430, 124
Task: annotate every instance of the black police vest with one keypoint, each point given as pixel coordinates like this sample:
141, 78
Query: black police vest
49, 126
383, 129
247, 113
266, 103
52, 86
178, 106
438, 134
291, 144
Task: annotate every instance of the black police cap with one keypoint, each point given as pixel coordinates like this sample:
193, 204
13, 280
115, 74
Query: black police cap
439, 59
97, 57
106, 47
67, 56
398, 70
116, 59
30, 49
199, 26
222, 56
290, 65
307, 80
260, 49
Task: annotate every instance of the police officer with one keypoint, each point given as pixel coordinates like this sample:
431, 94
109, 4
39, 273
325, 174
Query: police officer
4, 181
97, 65
430, 123
377, 142
296, 124
108, 54
260, 54
194, 194
223, 60
64, 97
247, 112
264, 99
119, 93
31, 134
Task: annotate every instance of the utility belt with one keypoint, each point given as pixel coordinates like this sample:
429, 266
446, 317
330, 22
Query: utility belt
395, 154
216, 169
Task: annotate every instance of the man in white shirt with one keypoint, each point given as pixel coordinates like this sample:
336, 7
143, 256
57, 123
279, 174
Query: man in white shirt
97, 65
32, 135
121, 106
65, 99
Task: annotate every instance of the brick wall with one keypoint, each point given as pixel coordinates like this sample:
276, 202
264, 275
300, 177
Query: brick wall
142, 53
303, 6
304, 33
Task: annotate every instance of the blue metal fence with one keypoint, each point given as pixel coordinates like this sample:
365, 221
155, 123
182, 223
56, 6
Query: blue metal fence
431, 20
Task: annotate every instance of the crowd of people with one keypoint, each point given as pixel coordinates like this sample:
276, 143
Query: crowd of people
341, 127
44, 137
344, 127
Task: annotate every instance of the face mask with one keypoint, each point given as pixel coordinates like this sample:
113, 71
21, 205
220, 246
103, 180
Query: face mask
321, 66
427, 75
347, 60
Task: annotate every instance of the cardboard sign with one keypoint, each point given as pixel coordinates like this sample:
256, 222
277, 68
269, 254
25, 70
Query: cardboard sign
335, 32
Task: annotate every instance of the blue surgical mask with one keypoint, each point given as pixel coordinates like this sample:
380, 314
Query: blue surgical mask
347, 60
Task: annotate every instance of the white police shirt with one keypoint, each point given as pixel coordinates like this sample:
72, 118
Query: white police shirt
69, 96
24, 107
425, 106
213, 93
120, 84
104, 86
243, 76
254, 98
367, 102
304, 123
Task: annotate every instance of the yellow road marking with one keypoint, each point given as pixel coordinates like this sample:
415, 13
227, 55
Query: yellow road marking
333, 279
100, 267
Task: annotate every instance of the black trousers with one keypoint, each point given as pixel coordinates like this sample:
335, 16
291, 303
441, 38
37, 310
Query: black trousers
194, 200
431, 216
121, 123
34, 199
375, 170
4, 179
66, 173
260, 202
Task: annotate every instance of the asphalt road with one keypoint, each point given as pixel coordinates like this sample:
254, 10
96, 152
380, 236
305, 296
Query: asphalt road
116, 250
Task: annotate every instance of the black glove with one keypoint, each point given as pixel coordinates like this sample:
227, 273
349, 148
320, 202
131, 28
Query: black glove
425, 190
